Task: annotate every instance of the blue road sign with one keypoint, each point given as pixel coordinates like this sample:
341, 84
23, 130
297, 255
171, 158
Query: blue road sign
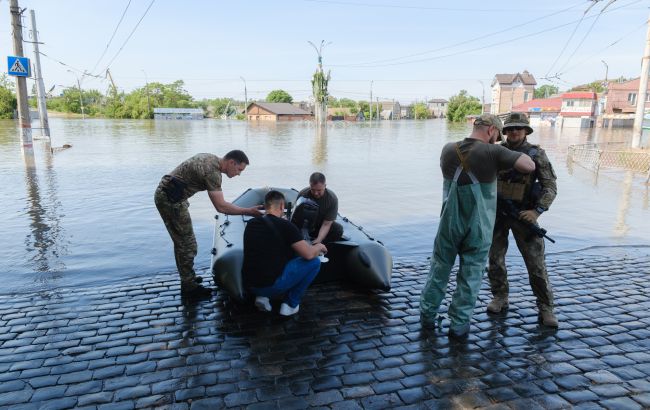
18, 66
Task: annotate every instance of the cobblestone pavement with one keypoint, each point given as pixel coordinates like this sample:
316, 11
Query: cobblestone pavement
137, 345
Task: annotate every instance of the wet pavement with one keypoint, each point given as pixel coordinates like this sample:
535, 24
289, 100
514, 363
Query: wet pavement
139, 345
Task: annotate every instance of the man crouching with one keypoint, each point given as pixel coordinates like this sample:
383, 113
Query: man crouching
270, 266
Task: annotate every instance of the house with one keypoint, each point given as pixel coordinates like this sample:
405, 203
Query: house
510, 90
263, 111
438, 107
390, 110
620, 104
541, 111
578, 109
177, 114
406, 111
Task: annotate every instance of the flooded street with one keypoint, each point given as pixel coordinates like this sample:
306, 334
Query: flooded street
85, 216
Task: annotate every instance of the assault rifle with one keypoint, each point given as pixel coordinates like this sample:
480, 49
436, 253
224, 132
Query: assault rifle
508, 208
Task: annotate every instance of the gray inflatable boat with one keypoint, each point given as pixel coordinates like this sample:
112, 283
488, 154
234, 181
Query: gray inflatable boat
358, 258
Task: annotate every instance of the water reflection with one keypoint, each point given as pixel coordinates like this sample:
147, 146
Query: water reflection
621, 227
319, 146
45, 242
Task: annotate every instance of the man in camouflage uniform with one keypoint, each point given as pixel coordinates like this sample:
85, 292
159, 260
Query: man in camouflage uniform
531, 195
201, 172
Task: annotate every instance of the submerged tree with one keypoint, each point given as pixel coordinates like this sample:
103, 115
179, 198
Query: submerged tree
462, 105
279, 96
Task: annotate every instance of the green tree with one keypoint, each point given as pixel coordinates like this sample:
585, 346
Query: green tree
594, 86
8, 103
420, 111
462, 105
279, 96
546, 91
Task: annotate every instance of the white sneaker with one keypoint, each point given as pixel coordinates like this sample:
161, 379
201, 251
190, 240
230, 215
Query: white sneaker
286, 310
262, 303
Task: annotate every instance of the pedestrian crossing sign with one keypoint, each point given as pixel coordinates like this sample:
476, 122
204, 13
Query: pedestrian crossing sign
18, 66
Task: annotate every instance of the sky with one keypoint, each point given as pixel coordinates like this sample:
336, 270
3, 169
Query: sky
406, 50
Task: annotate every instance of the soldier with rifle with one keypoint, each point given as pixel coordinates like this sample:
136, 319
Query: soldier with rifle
522, 198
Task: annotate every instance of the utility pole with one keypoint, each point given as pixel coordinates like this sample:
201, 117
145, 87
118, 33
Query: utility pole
378, 109
81, 99
370, 104
245, 98
641, 95
40, 87
319, 86
21, 82
146, 82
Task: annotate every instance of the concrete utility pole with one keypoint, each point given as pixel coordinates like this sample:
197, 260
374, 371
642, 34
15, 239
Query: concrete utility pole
21, 82
81, 98
370, 104
245, 99
378, 109
146, 82
319, 86
643, 91
40, 87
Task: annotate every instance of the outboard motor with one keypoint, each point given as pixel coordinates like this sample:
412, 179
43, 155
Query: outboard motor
304, 216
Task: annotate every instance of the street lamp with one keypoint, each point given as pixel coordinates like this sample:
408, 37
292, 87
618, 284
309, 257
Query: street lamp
146, 82
81, 100
245, 98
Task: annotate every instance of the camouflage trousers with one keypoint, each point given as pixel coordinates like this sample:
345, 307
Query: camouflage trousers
532, 249
179, 225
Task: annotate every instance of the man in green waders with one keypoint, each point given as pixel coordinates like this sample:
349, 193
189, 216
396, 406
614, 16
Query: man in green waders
469, 169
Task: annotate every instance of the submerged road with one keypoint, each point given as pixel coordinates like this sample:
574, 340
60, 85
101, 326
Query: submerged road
138, 345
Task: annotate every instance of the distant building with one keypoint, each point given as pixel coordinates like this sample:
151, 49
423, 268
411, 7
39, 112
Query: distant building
390, 110
263, 111
438, 107
620, 103
578, 109
541, 111
510, 90
177, 114
406, 111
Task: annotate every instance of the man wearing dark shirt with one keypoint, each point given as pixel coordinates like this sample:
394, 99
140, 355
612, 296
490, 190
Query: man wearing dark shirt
325, 229
469, 169
270, 268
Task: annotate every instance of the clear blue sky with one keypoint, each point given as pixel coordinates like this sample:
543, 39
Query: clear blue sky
410, 49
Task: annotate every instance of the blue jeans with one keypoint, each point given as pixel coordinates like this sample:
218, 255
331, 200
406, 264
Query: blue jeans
296, 277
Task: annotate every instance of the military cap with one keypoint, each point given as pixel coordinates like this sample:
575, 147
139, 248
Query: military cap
517, 119
490, 119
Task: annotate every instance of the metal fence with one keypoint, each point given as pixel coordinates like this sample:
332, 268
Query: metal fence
610, 155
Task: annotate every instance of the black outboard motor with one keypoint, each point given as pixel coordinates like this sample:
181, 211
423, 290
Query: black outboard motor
304, 216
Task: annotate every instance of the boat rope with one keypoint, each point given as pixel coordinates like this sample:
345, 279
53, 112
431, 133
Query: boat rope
345, 218
222, 233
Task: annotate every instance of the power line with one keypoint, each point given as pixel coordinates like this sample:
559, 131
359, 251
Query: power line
459, 43
351, 3
112, 36
129, 37
586, 34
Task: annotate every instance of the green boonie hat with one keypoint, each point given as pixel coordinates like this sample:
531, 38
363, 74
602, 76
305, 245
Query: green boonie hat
518, 119
490, 119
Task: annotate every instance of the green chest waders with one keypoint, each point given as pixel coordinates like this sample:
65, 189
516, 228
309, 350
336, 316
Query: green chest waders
465, 229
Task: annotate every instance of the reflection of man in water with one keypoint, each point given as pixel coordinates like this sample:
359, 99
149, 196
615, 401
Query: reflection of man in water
202, 172
532, 194
325, 229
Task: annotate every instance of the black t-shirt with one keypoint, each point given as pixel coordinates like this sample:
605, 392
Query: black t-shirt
484, 160
267, 250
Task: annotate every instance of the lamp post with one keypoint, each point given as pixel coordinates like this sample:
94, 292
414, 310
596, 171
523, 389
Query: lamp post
482, 97
146, 82
81, 100
245, 98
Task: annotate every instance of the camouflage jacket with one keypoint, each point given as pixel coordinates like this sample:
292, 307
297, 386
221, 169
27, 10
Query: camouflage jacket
544, 173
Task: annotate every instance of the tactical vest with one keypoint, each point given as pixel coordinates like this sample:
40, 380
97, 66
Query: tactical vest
515, 186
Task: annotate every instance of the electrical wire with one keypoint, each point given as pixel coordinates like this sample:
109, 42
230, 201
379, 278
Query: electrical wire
112, 36
461, 42
401, 6
129, 37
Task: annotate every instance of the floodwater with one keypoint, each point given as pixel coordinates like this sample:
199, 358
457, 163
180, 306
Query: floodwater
85, 216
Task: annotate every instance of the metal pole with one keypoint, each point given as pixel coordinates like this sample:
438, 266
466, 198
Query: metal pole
146, 82
370, 104
21, 82
641, 95
40, 87
245, 99
81, 100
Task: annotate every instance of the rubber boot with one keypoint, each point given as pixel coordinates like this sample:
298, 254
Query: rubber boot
547, 317
498, 304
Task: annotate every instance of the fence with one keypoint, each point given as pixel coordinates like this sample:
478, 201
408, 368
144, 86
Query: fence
611, 155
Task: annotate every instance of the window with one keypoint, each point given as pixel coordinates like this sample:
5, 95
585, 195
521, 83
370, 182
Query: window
631, 98
647, 97
526, 96
570, 103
